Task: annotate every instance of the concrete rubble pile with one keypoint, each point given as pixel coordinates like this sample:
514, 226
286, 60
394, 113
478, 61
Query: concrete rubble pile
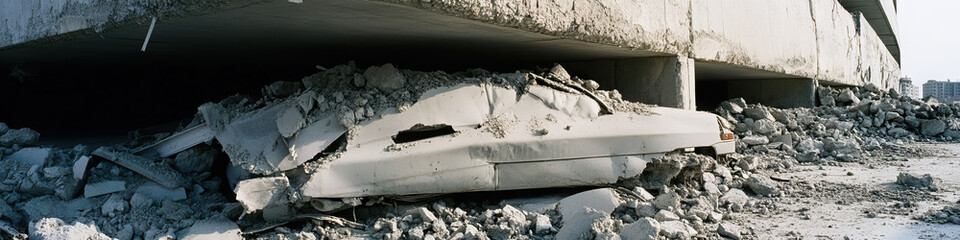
948, 214
168, 187
848, 125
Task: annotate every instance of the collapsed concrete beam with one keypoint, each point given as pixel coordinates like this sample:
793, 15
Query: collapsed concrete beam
158, 172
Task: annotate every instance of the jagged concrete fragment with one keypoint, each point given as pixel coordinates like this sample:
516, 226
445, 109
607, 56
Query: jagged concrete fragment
642, 229
260, 141
214, 228
103, 188
158, 193
603, 199
158, 172
80, 167
179, 141
259, 193
31, 156
55, 229
22, 137
384, 77
577, 225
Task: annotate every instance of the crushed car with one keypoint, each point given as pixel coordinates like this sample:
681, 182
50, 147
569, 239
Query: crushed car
344, 137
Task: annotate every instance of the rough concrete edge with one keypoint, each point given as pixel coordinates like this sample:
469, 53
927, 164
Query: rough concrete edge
511, 14
165, 14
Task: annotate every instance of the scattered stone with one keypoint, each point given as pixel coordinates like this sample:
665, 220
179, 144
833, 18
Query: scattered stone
933, 127
21, 137
217, 227
385, 78
763, 185
159, 193
113, 206
642, 229
603, 199
757, 113
140, 201
755, 140
56, 229
926, 181
677, 230
735, 197
667, 201
729, 230
31, 156
578, 225
103, 188
664, 215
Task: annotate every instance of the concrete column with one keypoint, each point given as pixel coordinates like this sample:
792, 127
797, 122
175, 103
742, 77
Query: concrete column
781, 93
664, 81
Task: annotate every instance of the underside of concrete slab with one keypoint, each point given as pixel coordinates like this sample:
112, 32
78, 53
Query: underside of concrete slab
73, 49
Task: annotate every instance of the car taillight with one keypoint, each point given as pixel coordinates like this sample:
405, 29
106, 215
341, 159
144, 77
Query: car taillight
726, 136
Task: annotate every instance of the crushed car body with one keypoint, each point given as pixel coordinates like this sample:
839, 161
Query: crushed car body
346, 136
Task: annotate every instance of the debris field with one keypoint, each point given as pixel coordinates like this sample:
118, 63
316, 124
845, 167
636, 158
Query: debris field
244, 167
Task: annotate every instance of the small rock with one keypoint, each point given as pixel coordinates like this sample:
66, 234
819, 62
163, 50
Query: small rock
642, 229
729, 230
755, 140
667, 201
933, 127
385, 78
114, 205
664, 215
923, 182
763, 185
757, 113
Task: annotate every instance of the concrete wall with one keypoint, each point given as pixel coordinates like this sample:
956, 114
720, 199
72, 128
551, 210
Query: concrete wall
664, 81
22, 21
776, 36
815, 39
877, 65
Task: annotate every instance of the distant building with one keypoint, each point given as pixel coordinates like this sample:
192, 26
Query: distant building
945, 91
908, 89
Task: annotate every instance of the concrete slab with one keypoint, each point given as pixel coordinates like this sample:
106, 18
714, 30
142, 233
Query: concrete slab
103, 188
33, 156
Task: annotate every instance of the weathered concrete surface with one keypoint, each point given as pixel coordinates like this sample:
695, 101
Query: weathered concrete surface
27, 20
777, 36
757, 39
664, 81
805, 39
877, 65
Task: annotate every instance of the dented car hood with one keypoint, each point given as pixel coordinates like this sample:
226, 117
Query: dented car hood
503, 140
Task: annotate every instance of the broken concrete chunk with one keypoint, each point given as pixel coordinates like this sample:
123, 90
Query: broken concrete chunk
32, 156
385, 78
578, 224
932, 127
281, 89
259, 193
758, 113
55, 229
194, 160
3, 128
159, 193
159, 172
922, 182
735, 197
763, 185
667, 201
103, 188
729, 230
542, 224
289, 121
603, 199
113, 206
140, 201
217, 227
178, 142
677, 230
22, 137
642, 229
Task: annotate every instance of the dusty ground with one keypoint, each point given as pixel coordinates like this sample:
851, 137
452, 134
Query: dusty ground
862, 201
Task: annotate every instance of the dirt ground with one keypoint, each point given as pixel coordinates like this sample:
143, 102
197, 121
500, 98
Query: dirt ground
862, 201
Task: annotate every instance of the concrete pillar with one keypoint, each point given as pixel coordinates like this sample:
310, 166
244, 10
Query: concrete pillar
664, 81
781, 93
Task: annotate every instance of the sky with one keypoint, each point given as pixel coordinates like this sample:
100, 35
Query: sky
929, 39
